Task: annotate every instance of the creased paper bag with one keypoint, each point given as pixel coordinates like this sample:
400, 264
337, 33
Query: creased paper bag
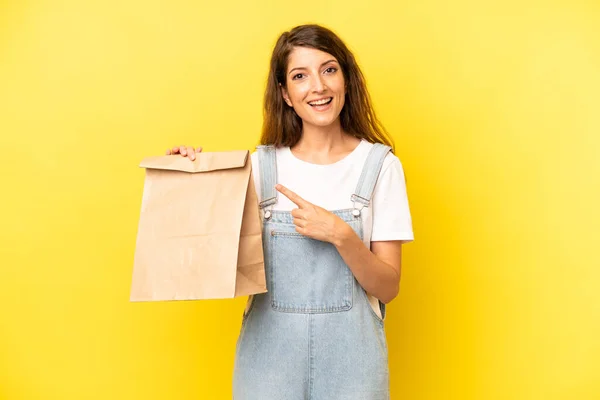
199, 233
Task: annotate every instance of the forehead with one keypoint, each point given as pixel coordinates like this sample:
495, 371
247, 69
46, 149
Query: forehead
306, 57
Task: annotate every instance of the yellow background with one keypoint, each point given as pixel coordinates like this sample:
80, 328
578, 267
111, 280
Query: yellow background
495, 110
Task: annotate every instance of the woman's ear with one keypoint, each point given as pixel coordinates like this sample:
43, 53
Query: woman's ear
285, 95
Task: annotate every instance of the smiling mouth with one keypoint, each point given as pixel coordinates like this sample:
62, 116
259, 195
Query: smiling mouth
322, 102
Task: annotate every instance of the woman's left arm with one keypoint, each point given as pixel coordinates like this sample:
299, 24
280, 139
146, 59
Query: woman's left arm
377, 270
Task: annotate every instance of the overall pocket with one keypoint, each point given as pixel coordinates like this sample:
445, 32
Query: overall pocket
307, 275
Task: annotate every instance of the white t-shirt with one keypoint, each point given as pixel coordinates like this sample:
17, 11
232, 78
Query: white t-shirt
331, 187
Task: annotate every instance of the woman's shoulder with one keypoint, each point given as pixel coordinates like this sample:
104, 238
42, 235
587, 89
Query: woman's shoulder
390, 160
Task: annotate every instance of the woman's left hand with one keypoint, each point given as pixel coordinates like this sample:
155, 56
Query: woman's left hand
315, 222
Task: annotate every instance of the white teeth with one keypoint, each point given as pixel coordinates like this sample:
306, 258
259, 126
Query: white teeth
320, 102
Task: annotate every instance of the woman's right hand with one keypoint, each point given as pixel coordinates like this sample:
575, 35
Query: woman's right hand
185, 151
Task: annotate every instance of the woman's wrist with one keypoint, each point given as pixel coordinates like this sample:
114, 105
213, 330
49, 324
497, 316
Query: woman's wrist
342, 233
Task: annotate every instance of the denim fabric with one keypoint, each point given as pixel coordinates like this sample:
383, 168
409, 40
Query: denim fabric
313, 335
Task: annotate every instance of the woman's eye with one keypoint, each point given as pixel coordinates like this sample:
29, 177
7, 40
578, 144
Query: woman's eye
331, 70
297, 76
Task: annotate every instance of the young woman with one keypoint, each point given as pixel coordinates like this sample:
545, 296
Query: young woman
335, 214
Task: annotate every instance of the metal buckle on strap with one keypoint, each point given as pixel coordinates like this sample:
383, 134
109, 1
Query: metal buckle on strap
356, 198
267, 202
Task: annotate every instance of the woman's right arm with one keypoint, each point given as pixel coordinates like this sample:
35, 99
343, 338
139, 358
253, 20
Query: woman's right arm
185, 151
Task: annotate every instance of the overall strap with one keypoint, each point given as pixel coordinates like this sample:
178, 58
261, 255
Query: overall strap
368, 177
267, 164
366, 185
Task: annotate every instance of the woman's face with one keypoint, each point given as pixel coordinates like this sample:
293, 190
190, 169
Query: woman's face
315, 86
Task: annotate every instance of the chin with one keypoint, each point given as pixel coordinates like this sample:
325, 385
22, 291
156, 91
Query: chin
324, 122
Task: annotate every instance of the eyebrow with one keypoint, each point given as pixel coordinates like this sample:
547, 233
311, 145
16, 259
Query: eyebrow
325, 63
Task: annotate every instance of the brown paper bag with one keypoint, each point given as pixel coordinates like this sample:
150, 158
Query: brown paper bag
199, 234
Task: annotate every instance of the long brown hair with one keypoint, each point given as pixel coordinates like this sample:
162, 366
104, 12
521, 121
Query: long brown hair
282, 126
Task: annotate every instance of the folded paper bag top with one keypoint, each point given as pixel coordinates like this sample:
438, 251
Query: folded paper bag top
204, 162
199, 233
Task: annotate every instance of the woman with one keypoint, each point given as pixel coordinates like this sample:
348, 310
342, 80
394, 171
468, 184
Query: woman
335, 214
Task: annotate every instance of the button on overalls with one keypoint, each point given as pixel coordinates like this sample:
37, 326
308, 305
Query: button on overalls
313, 335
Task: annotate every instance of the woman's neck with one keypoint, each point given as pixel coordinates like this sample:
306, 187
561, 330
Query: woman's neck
324, 145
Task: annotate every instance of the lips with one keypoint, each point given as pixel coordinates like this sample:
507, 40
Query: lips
320, 102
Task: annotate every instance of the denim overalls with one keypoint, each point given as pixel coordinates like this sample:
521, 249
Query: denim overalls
313, 335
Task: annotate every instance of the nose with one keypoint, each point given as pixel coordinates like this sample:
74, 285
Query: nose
319, 84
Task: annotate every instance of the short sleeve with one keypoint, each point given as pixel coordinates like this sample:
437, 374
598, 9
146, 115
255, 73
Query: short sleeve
391, 211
